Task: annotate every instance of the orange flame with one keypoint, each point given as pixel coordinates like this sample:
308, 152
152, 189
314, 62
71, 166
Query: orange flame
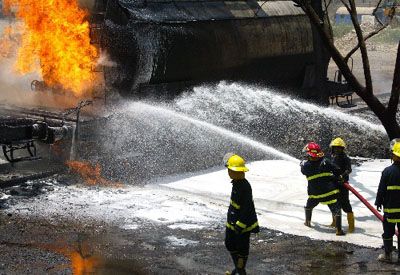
56, 43
90, 173
83, 260
8, 42
82, 265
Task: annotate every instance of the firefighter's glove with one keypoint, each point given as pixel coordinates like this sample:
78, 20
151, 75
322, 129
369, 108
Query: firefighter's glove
238, 229
379, 207
302, 163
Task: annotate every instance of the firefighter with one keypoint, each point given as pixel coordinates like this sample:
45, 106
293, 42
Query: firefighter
321, 174
341, 159
241, 217
388, 196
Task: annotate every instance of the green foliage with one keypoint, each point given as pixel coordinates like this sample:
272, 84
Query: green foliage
340, 30
389, 35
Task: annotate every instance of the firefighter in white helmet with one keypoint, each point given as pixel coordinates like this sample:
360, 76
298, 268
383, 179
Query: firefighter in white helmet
241, 217
388, 196
340, 158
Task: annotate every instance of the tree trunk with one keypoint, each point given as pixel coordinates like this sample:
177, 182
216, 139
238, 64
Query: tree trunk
391, 126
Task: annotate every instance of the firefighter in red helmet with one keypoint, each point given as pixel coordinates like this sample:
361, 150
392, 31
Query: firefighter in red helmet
321, 175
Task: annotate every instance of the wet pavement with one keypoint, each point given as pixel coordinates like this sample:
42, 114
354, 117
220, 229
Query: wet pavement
31, 245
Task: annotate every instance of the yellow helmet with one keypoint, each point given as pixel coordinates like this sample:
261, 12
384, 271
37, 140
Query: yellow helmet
338, 142
236, 163
396, 149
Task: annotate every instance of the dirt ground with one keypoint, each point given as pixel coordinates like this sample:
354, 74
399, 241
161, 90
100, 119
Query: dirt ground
37, 246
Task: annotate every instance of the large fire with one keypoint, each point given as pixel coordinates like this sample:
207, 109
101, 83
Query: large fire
89, 172
55, 43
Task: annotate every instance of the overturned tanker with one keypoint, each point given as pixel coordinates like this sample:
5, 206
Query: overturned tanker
162, 44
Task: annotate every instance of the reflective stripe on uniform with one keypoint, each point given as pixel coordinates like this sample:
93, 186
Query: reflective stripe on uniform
230, 226
393, 220
391, 210
251, 227
254, 225
328, 202
393, 187
324, 195
234, 204
242, 225
320, 175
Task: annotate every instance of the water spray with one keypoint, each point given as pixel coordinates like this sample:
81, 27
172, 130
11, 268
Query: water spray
219, 130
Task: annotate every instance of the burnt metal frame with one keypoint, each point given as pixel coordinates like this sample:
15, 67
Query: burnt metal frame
10, 148
344, 94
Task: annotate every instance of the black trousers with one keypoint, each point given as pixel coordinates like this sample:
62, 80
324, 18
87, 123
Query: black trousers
334, 207
389, 228
237, 242
344, 200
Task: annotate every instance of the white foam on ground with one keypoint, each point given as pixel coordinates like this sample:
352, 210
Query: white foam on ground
201, 201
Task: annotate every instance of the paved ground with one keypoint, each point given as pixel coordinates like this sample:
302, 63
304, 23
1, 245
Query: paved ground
35, 246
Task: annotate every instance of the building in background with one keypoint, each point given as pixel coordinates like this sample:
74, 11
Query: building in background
364, 15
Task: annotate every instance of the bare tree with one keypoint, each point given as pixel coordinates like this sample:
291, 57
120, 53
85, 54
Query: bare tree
386, 114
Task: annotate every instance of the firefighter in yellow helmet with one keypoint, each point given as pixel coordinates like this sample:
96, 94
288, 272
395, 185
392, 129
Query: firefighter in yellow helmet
340, 158
241, 217
388, 196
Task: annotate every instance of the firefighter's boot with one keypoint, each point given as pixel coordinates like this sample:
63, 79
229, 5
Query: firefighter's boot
308, 212
338, 221
235, 258
333, 224
398, 250
350, 220
241, 265
387, 256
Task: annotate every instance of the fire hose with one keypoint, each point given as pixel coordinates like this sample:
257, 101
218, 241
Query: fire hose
366, 203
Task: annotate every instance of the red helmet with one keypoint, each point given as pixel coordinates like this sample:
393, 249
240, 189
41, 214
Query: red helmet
314, 150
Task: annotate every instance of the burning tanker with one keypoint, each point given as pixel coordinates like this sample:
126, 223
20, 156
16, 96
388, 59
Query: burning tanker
159, 46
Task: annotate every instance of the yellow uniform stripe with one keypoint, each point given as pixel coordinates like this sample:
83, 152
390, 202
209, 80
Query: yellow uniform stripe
244, 230
391, 210
327, 174
393, 220
324, 195
242, 225
393, 187
329, 202
251, 227
234, 204
230, 226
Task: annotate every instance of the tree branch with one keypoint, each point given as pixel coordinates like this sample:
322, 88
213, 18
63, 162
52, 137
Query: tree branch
363, 48
394, 96
374, 13
371, 34
346, 6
